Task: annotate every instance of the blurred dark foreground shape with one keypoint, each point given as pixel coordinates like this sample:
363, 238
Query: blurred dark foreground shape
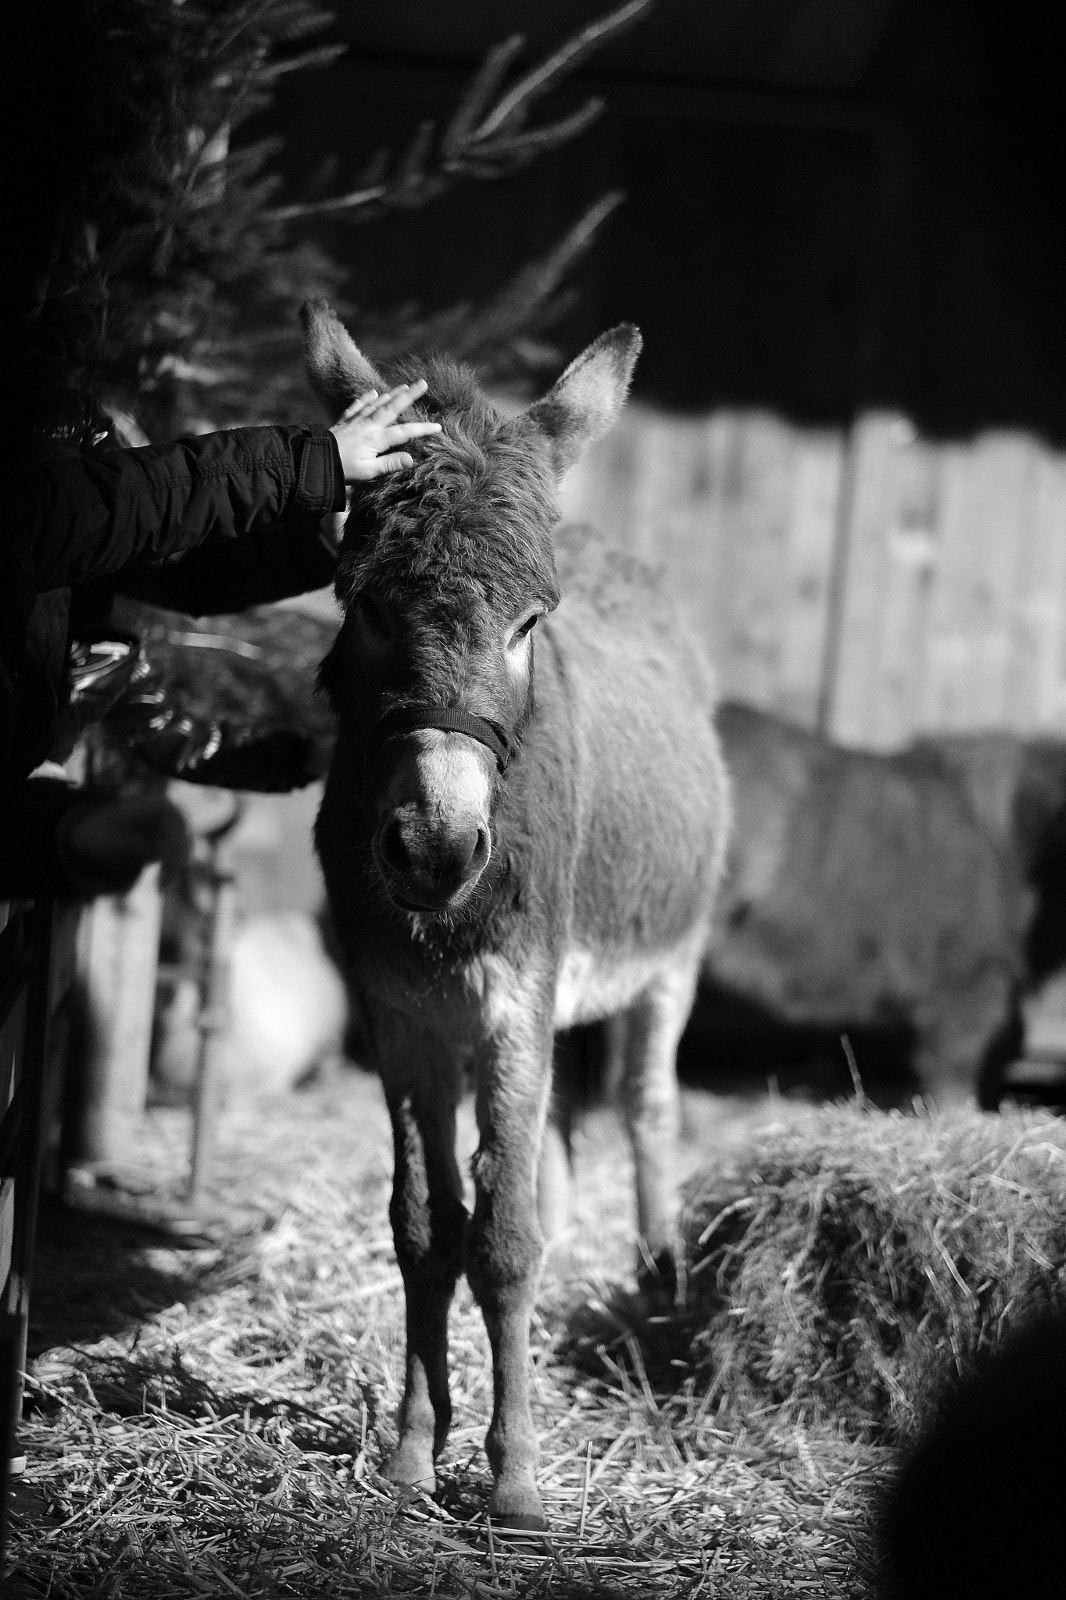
977, 1509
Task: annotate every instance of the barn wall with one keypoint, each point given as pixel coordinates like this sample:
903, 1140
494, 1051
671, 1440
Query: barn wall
848, 434
950, 559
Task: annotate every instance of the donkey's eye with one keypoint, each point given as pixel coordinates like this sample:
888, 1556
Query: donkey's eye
525, 628
372, 614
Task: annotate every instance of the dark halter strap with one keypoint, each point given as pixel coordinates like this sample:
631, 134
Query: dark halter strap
449, 719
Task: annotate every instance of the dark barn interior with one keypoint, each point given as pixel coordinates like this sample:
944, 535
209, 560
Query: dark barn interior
829, 206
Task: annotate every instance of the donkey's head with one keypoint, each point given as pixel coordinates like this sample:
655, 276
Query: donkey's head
443, 574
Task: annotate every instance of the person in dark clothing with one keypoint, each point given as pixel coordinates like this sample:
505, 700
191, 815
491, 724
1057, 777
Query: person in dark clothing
223, 521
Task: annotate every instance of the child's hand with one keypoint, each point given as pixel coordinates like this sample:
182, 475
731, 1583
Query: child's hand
369, 427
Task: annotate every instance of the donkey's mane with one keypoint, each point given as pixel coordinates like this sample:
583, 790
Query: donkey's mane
473, 516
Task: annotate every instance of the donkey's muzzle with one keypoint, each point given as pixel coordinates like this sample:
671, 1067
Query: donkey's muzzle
431, 865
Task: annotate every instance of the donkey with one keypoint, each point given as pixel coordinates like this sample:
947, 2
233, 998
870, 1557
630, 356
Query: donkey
508, 850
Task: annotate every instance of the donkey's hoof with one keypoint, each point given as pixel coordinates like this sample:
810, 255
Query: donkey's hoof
518, 1524
410, 1467
516, 1512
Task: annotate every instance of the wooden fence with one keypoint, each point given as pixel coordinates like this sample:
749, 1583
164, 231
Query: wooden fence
866, 580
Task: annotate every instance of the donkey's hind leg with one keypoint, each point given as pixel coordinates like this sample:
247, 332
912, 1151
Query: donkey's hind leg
553, 1173
428, 1224
645, 1039
577, 1071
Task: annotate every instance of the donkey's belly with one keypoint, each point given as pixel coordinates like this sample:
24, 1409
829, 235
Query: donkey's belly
594, 984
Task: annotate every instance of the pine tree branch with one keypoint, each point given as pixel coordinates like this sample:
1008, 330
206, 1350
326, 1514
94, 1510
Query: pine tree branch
302, 63
500, 143
411, 173
529, 303
335, 204
519, 148
499, 336
515, 104
492, 73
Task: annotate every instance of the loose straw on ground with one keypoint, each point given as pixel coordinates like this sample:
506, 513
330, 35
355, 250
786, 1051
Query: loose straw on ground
218, 1428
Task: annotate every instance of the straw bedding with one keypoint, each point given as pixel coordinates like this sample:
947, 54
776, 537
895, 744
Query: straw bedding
215, 1427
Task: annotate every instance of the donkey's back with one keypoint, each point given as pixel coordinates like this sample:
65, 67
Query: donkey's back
626, 701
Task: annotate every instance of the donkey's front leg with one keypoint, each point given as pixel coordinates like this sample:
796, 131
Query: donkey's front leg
504, 1250
428, 1222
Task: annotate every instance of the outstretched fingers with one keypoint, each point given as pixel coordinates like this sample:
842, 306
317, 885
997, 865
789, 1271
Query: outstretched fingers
388, 408
369, 426
390, 434
385, 408
360, 406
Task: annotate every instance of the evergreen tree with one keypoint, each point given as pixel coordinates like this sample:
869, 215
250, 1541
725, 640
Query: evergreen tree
165, 277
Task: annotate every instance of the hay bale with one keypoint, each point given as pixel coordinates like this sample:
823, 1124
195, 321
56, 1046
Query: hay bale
853, 1263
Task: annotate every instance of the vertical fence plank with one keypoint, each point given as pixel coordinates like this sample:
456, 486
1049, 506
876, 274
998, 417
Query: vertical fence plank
874, 441
1035, 677
998, 530
814, 502
913, 559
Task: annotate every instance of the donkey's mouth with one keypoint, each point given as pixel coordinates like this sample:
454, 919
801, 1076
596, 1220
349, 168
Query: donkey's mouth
429, 905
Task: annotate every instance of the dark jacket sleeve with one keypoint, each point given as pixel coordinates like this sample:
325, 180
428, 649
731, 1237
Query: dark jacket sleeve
91, 514
233, 574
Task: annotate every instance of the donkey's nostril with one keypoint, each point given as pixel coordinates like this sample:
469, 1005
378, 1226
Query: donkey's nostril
393, 849
456, 855
479, 855
431, 862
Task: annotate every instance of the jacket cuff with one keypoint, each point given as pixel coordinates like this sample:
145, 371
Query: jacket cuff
319, 475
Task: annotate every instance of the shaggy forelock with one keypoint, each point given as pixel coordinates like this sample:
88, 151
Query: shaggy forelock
472, 517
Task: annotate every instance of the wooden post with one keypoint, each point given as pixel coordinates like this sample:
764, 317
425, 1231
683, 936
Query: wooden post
117, 960
213, 1021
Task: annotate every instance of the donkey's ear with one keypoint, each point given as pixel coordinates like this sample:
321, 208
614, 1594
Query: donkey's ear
587, 399
336, 366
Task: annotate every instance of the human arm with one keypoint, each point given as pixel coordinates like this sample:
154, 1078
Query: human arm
91, 514
87, 515
233, 574
298, 555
